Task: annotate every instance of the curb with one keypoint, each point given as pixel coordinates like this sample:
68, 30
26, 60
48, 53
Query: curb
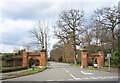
21, 75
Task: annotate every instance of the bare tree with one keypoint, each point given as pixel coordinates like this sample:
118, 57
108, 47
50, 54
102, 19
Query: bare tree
40, 33
15, 51
46, 30
108, 18
87, 37
69, 27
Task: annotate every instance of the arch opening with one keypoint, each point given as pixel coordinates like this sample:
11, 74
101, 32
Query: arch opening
35, 62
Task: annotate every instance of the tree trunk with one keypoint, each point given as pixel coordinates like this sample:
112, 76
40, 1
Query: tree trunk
42, 41
74, 38
75, 60
112, 41
46, 47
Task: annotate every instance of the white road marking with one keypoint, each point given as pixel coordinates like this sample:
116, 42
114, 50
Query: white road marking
82, 72
72, 76
78, 79
66, 71
109, 77
114, 76
61, 80
89, 73
100, 77
103, 77
49, 80
94, 78
86, 73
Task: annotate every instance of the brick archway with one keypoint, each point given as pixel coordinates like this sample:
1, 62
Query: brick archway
99, 56
34, 57
85, 58
40, 56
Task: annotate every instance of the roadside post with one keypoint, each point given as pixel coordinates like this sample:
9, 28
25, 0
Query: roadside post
33, 67
109, 55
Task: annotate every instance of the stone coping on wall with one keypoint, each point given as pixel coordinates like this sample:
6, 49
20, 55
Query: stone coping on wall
94, 54
35, 54
84, 50
43, 50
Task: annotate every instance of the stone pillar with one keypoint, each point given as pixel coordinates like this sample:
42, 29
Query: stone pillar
101, 59
25, 61
43, 58
84, 59
99, 62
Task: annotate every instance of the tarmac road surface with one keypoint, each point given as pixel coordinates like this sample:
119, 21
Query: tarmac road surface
64, 72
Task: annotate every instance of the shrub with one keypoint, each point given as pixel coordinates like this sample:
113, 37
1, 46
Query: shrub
90, 64
49, 59
3, 63
8, 54
9, 59
79, 63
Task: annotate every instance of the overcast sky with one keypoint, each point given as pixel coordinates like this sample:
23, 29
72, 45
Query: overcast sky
17, 18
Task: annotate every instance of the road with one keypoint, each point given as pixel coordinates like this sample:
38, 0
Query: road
65, 72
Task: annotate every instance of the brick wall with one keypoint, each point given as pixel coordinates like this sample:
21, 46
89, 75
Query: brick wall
13, 63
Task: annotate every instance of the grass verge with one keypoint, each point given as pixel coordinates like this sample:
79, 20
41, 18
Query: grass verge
22, 73
98, 69
112, 66
48, 64
25, 72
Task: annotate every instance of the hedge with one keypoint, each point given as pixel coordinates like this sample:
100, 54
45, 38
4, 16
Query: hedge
11, 69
